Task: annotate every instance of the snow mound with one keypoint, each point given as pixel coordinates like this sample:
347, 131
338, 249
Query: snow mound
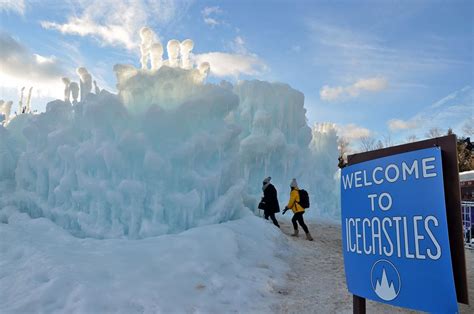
466, 176
232, 266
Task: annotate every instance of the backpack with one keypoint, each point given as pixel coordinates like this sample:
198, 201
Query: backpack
304, 199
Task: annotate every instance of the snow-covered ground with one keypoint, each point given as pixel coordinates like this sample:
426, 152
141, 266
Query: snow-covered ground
229, 267
242, 266
316, 281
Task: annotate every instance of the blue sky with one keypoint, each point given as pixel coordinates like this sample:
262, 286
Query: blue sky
372, 67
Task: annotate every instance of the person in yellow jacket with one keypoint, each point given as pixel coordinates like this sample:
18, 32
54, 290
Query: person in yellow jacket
298, 210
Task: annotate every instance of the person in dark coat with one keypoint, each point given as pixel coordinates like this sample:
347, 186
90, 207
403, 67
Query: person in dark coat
270, 199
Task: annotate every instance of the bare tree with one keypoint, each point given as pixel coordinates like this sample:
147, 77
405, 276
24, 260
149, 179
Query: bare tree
468, 129
434, 132
367, 143
387, 140
379, 145
411, 138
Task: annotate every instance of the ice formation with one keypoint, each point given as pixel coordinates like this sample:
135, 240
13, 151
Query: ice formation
85, 82
28, 101
74, 88
185, 48
324, 152
168, 153
96, 88
5, 110
67, 89
156, 56
20, 103
147, 37
173, 49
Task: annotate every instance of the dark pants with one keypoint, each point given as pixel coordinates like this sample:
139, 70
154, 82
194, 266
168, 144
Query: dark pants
272, 217
298, 217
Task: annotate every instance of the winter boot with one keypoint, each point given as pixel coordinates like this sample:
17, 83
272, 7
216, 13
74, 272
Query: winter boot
309, 237
295, 234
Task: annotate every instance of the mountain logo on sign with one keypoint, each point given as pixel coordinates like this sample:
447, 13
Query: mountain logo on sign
384, 290
385, 280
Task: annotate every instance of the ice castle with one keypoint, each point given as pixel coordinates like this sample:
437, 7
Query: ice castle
167, 153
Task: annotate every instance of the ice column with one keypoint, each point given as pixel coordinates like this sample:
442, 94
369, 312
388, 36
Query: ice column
186, 48
74, 91
85, 82
20, 104
147, 38
67, 89
156, 56
96, 88
173, 48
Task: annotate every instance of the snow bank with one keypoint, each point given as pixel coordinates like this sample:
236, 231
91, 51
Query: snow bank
232, 266
466, 176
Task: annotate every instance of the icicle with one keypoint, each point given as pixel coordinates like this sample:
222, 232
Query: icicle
20, 104
96, 88
28, 101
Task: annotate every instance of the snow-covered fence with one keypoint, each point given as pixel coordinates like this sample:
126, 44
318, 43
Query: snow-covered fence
468, 223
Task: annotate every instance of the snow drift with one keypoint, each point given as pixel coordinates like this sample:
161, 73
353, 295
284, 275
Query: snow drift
211, 269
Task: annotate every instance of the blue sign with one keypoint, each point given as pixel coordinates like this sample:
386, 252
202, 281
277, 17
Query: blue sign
395, 233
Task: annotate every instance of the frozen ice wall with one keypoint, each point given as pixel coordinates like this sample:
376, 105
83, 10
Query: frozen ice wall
276, 141
98, 170
275, 135
167, 87
325, 176
166, 154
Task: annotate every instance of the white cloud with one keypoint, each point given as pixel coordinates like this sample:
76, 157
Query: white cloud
452, 111
374, 84
356, 51
21, 68
331, 93
238, 45
209, 15
16, 6
352, 131
227, 64
371, 84
239, 61
117, 22
211, 21
210, 10
18, 62
397, 124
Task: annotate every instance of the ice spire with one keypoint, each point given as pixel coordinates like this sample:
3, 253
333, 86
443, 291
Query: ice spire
5, 109
85, 82
67, 89
147, 37
204, 69
20, 104
156, 56
74, 91
173, 48
28, 100
185, 48
96, 88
